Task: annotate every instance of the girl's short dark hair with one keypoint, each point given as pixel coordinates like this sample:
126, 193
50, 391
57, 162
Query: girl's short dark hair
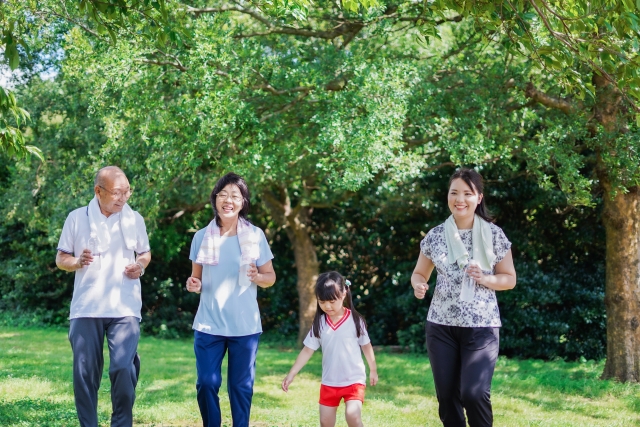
237, 180
330, 286
474, 180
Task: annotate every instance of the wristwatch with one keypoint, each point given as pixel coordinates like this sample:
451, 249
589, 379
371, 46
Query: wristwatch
141, 267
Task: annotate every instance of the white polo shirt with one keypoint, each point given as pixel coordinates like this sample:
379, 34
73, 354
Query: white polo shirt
106, 292
342, 363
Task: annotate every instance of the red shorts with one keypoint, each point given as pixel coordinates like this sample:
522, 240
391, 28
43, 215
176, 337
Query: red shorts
331, 396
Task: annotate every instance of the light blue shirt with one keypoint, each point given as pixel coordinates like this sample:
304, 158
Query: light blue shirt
226, 308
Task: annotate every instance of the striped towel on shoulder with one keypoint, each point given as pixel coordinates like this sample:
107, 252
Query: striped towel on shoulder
209, 252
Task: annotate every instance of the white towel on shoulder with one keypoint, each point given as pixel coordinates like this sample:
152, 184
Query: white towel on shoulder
98, 224
482, 243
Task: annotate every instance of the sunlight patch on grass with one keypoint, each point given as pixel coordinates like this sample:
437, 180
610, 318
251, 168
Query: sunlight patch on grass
169, 413
36, 389
9, 335
19, 388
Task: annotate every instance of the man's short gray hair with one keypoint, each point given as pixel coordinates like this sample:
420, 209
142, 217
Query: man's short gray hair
99, 179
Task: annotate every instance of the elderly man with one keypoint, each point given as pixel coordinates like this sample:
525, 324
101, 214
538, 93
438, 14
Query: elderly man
106, 294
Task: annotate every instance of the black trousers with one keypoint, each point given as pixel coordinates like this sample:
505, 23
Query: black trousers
462, 361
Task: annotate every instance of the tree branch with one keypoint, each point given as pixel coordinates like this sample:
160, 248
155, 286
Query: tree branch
268, 88
286, 107
456, 18
328, 35
548, 100
254, 14
69, 19
173, 64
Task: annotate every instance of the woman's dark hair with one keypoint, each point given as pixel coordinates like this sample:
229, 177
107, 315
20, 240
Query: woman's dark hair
237, 180
330, 286
474, 180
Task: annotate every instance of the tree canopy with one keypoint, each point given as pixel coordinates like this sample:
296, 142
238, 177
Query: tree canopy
313, 108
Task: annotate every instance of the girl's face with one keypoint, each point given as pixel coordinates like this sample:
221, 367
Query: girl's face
462, 199
334, 307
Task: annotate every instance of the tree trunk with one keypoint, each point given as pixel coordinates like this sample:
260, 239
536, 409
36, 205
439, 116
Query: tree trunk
622, 294
622, 227
295, 222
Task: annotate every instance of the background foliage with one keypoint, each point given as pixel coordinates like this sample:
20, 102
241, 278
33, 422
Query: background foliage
361, 130
556, 310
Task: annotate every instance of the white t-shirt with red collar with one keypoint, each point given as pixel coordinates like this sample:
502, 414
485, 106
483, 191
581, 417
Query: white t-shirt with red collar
342, 363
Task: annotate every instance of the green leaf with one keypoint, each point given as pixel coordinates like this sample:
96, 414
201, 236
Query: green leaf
14, 57
112, 34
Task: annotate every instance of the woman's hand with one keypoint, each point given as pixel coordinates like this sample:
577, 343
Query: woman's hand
421, 275
475, 272
420, 290
252, 272
194, 284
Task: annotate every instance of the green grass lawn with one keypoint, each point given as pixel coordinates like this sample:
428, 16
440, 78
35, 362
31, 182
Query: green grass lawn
36, 389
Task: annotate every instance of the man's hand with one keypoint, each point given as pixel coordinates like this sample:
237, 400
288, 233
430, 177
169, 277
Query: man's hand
133, 271
85, 258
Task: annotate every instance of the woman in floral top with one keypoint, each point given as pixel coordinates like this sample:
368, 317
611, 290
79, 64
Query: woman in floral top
463, 320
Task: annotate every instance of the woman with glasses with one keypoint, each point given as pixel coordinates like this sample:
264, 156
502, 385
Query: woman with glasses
230, 259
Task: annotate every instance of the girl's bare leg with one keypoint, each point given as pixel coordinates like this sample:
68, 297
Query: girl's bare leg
328, 416
353, 413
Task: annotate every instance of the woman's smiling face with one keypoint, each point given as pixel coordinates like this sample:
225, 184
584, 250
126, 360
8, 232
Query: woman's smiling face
229, 202
463, 199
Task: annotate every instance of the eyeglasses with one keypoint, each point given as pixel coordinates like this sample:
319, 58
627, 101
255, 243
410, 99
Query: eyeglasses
118, 194
225, 196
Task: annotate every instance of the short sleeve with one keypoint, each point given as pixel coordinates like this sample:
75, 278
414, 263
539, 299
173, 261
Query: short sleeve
363, 339
142, 239
312, 342
265, 250
67, 237
425, 247
195, 244
501, 244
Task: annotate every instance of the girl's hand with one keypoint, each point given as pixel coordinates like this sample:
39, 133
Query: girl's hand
475, 272
373, 377
194, 284
287, 381
420, 290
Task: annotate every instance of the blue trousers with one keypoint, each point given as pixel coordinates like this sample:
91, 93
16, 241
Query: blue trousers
210, 350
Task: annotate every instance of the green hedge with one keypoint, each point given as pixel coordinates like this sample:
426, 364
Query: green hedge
556, 309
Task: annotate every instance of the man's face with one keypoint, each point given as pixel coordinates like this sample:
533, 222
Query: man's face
113, 193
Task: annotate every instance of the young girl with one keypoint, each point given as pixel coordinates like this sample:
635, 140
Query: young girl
339, 330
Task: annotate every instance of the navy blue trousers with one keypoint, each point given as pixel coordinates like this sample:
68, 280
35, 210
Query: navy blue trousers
210, 350
462, 362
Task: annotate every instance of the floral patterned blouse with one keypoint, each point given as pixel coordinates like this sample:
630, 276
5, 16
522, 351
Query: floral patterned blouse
446, 307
